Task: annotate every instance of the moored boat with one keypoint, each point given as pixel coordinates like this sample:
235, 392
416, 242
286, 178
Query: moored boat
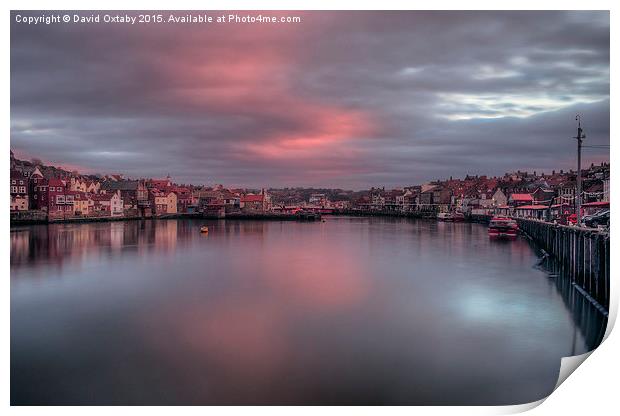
444, 216
458, 216
503, 227
204, 229
308, 216
455, 216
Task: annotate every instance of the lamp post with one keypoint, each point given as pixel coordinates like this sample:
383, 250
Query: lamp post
580, 137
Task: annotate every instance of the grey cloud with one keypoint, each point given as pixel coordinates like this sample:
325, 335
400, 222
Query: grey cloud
152, 101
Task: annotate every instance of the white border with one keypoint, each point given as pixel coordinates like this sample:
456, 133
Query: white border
591, 390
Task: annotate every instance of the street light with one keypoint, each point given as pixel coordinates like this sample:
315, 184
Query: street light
580, 137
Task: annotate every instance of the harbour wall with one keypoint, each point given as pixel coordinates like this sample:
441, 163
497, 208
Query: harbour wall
582, 254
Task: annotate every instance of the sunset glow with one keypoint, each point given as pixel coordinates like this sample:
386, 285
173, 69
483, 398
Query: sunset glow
348, 99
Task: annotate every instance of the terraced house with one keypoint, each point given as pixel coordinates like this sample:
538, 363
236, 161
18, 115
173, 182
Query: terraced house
163, 202
108, 204
19, 191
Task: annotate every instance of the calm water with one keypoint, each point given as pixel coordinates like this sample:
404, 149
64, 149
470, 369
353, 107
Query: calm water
348, 311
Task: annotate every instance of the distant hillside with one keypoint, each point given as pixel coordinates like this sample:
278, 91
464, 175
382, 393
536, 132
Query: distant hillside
48, 171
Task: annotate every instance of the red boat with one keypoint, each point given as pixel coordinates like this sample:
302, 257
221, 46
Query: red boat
502, 227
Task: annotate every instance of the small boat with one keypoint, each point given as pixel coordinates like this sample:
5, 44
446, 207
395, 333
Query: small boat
444, 216
502, 227
457, 216
204, 229
308, 216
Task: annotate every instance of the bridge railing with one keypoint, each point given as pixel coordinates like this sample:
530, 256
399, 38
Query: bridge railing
582, 253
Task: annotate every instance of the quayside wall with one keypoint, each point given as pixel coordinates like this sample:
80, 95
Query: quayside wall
582, 254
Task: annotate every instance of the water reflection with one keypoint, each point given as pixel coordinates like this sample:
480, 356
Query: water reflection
350, 311
589, 320
59, 244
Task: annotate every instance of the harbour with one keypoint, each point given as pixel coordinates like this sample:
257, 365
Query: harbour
310, 208
406, 308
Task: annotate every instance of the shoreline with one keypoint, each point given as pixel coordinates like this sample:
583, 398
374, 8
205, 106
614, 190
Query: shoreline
39, 219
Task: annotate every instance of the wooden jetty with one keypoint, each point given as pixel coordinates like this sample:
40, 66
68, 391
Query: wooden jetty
583, 254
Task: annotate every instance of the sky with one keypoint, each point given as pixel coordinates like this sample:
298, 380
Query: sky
342, 99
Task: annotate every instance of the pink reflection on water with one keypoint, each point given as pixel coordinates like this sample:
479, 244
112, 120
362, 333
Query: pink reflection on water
245, 334
323, 279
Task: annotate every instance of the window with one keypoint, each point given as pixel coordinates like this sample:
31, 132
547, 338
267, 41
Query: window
14, 189
13, 182
21, 182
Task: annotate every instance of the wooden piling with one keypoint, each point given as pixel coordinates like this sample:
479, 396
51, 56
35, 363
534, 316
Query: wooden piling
583, 254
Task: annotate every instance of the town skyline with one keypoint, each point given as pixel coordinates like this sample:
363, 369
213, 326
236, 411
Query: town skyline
391, 98
170, 175
41, 192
